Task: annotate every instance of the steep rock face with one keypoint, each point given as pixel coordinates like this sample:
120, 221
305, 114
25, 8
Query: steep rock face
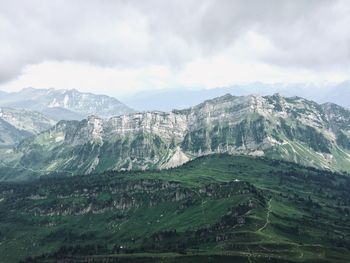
339, 119
137, 141
294, 129
225, 124
65, 104
165, 125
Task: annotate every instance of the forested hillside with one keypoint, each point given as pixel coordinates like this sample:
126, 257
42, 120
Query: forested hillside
217, 207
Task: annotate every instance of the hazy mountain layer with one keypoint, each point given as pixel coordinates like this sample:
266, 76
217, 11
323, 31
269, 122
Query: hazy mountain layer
17, 124
64, 104
293, 129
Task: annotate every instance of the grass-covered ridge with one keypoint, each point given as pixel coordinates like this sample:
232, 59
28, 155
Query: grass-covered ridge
220, 207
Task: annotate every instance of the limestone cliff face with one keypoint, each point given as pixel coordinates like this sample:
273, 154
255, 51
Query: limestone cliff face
168, 126
294, 129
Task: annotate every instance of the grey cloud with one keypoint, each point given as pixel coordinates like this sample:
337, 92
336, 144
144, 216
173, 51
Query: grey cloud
304, 33
121, 33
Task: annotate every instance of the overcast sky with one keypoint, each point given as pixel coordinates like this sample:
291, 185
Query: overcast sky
118, 47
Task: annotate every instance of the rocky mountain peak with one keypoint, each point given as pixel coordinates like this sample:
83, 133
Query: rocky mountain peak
65, 104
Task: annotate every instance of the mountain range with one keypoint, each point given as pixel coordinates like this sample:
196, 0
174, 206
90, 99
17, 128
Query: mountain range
293, 129
64, 104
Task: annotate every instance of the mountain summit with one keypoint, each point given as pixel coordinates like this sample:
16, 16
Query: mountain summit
64, 104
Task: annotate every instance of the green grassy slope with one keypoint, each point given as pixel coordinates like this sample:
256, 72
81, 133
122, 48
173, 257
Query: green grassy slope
214, 209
